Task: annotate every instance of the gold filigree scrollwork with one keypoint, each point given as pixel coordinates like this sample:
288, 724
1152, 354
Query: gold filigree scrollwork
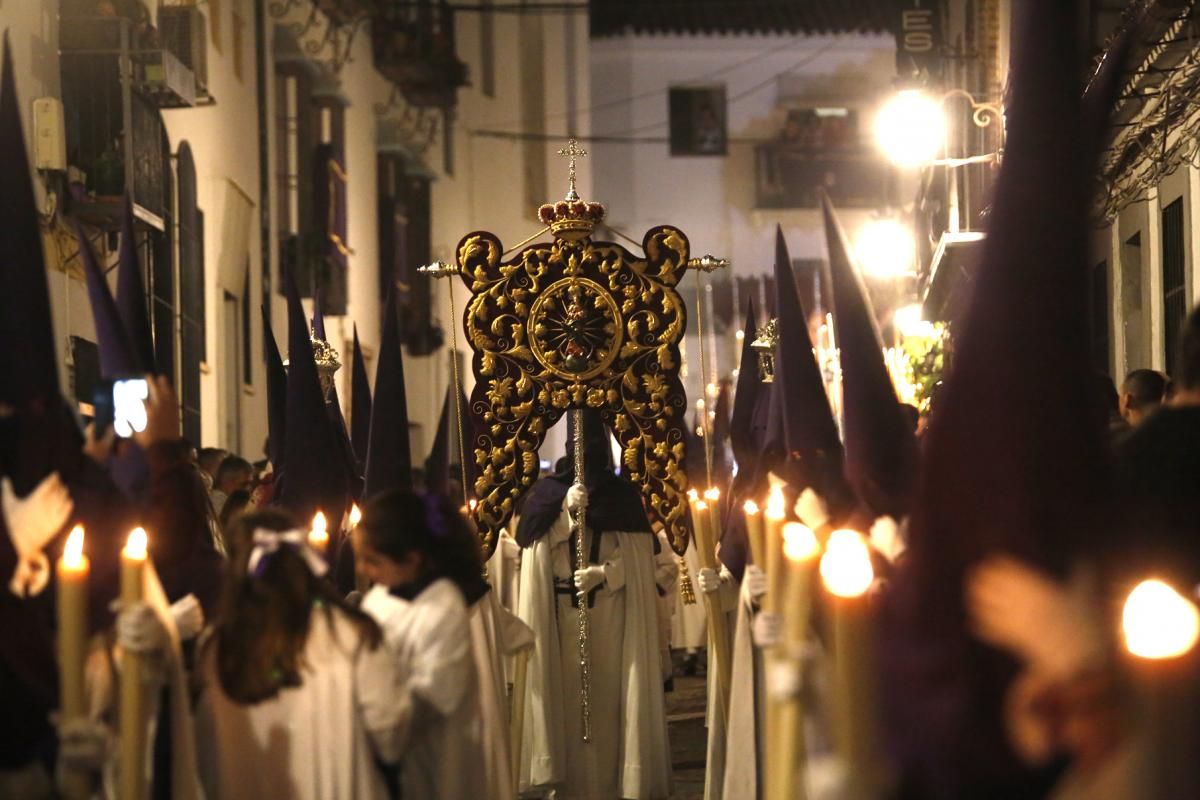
569, 324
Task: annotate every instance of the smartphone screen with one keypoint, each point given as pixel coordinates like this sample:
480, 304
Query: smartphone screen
129, 406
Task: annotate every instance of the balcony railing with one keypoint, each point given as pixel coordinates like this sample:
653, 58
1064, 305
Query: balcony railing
788, 176
345, 12
113, 85
415, 49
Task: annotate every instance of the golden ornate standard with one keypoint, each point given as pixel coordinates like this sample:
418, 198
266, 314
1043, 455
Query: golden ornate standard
569, 324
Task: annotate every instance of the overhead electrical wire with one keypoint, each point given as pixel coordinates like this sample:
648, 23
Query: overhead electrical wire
620, 101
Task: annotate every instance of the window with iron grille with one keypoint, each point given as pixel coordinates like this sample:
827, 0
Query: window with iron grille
191, 293
297, 130
1174, 279
405, 236
697, 120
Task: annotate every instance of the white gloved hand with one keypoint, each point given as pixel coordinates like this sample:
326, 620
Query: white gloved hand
767, 629
83, 744
577, 498
1045, 622
886, 539
32, 522
139, 630
708, 579
755, 581
588, 578
188, 616
811, 509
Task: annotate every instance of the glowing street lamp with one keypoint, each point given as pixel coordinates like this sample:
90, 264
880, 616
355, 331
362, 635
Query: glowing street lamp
1158, 622
884, 248
911, 128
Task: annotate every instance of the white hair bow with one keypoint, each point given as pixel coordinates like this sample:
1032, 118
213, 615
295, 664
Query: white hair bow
268, 542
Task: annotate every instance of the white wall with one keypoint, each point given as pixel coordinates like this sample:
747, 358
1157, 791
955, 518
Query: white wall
224, 143
485, 190
712, 199
1145, 217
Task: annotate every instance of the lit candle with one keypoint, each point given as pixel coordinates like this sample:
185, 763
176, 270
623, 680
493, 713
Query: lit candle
776, 512
1158, 622
755, 531
471, 505
1160, 628
355, 516
847, 573
712, 496
800, 547
785, 769
718, 629
73, 571
132, 722
318, 535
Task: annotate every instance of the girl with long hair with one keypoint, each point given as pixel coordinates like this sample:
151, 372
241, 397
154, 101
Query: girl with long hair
425, 564
298, 697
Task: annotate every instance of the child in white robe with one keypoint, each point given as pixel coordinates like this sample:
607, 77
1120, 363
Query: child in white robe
298, 697
425, 564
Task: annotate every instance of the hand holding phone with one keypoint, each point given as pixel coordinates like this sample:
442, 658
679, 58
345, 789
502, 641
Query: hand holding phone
129, 406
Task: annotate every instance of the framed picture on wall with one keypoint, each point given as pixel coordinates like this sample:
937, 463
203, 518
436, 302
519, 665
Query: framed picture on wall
697, 119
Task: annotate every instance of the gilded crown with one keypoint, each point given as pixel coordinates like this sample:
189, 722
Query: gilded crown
571, 219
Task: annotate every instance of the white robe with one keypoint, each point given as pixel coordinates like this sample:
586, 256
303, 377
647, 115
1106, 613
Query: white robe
689, 627
101, 683
666, 578
628, 756
315, 741
431, 638
496, 635
741, 761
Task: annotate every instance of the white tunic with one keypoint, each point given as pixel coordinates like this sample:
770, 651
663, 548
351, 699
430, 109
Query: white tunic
628, 755
741, 735
315, 741
496, 634
430, 637
689, 626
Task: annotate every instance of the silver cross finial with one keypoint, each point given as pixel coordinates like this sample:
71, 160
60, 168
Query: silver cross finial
572, 151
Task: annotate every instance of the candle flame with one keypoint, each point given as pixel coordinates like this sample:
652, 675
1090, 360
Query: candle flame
355, 515
846, 566
1158, 622
72, 556
712, 494
701, 505
135, 545
750, 507
799, 542
693, 495
471, 504
318, 536
776, 505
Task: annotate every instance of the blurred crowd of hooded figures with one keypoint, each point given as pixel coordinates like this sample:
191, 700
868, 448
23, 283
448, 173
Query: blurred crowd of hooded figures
1029, 617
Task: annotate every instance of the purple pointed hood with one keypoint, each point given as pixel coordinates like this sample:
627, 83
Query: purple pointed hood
442, 455
277, 391
360, 405
881, 452
117, 356
313, 473
37, 434
389, 457
814, 450
999, 474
